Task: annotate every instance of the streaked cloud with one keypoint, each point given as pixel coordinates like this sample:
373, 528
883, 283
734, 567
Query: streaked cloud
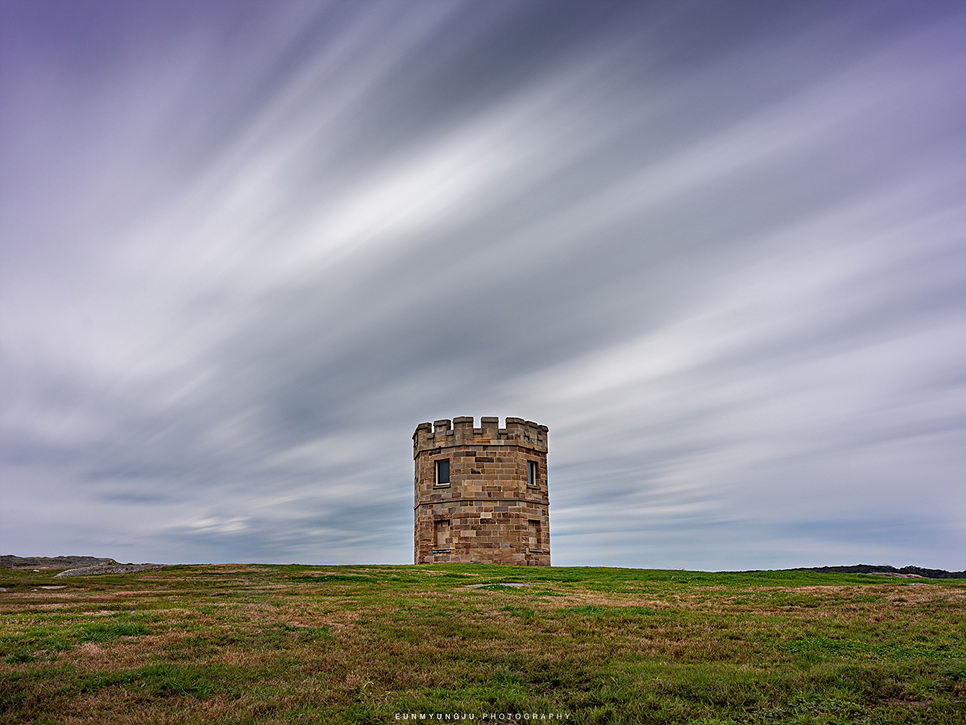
718, 250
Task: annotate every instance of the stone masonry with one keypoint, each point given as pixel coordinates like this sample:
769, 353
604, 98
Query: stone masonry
481, 493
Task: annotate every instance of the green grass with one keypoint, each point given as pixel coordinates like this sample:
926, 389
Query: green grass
363, 644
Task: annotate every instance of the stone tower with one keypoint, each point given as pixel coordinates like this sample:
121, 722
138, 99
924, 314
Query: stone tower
481, 493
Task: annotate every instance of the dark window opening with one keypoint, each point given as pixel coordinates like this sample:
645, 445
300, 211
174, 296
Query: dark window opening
442, 472
531, 473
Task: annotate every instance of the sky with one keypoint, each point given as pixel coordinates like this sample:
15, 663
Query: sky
719, 249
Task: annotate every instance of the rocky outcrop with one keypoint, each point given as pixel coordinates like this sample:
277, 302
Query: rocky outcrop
74, 565
109, 569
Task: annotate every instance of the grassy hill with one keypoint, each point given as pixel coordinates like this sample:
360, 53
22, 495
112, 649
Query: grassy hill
384, 644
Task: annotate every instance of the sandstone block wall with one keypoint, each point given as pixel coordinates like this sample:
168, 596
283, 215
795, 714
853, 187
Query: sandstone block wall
495, 507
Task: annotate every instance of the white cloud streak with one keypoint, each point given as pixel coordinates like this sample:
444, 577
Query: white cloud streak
243, 255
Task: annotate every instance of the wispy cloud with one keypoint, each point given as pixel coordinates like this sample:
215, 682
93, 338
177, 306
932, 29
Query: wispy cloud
718, 250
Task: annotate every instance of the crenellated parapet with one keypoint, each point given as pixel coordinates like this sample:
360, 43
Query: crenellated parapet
461, 432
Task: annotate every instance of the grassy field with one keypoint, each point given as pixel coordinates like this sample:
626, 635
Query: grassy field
384, 644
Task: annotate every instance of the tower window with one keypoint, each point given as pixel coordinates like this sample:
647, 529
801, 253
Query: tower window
441, 534
531, 473
534, 527
442, 472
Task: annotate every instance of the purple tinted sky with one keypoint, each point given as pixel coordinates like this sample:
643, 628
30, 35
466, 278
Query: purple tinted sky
718, 248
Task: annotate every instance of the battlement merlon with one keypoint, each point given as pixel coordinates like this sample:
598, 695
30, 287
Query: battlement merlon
460, 432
